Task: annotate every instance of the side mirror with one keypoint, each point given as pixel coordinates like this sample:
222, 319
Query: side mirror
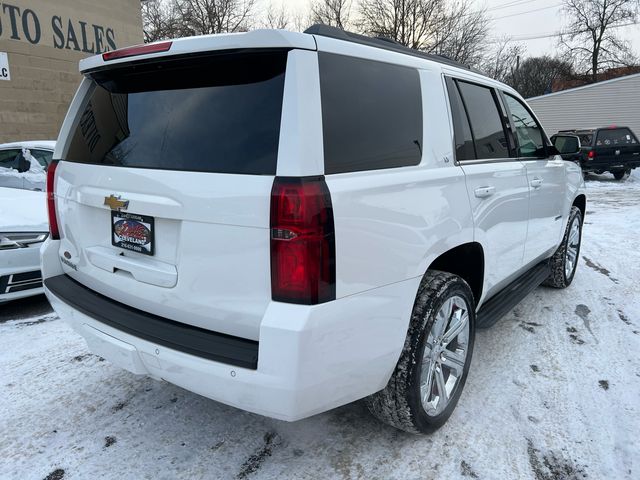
23, 164
566, 144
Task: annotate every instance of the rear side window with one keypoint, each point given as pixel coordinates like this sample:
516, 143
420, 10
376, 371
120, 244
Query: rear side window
615, 136
465, 149
215, 113
486, 123
371, 114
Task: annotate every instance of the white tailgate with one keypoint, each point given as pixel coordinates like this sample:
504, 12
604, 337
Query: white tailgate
211, 265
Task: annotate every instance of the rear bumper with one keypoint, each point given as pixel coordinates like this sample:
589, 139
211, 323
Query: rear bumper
174, 335
609, 166
310, 358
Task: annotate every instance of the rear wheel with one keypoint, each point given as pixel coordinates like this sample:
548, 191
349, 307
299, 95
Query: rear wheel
565, 261
430, 375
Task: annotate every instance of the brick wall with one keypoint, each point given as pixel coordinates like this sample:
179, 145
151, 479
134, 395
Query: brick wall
44, 42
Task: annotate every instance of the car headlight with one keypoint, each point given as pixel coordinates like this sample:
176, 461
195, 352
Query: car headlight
13, 240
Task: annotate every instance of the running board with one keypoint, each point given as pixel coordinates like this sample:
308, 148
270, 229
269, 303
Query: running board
511, 295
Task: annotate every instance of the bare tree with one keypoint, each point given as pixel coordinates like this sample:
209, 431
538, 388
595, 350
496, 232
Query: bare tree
536, 75
335, 13
215, 16
408, 22
446, 27
160, 20
285, 18
502, 59
276, 17
461, 33
300, 22
590, 38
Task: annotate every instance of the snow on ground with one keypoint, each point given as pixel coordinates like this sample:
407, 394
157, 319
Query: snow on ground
553, 393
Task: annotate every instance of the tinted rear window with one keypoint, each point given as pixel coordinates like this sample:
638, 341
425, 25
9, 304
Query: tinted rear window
615, 136
465, 149
371, 114
486, 122
211, 113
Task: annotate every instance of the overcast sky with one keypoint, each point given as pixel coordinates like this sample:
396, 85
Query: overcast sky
515, 18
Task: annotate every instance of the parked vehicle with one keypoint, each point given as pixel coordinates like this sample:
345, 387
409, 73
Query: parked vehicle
613, 149
24, 164
288, 222
23, 228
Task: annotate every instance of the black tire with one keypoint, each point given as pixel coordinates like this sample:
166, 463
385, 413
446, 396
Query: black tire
619, 174
559, 277
399, 403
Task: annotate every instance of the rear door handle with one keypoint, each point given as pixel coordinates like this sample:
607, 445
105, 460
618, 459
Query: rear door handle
536, 182
484, 192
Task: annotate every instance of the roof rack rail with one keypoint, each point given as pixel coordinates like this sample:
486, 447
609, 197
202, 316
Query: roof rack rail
384, 43
388, 40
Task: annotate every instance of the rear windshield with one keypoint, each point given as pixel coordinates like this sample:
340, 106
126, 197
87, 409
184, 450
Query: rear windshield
209, 114
615, 136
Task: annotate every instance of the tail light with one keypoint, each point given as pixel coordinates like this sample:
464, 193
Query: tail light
591, 155
51, 201
303, 267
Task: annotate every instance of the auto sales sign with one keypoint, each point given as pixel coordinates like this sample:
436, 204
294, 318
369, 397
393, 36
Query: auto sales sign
55, 30
4, 67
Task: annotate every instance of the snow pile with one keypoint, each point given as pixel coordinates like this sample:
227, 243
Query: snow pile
34, 165
552, 394
32, 176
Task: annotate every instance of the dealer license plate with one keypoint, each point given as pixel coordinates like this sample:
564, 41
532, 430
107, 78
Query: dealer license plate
132, 232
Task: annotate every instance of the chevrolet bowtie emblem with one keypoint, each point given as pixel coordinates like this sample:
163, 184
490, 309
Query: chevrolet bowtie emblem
115, 203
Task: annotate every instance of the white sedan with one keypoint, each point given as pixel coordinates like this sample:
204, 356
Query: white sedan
23, 228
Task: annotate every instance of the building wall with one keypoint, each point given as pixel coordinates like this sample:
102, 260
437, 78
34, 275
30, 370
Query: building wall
615, 102
44, 40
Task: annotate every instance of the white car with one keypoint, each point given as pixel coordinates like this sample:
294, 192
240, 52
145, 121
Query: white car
288, 222
24, 164
23, 228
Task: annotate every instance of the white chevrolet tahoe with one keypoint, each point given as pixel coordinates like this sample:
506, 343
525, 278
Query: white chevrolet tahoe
288, 222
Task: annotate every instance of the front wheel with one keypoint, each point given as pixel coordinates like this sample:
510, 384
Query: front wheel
565, 261
430, 375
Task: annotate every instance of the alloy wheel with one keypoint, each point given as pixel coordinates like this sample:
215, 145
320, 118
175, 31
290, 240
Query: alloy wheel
445, 355
573, 245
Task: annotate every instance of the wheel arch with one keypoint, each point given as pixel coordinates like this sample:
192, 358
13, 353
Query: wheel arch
581, 202
466, 261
